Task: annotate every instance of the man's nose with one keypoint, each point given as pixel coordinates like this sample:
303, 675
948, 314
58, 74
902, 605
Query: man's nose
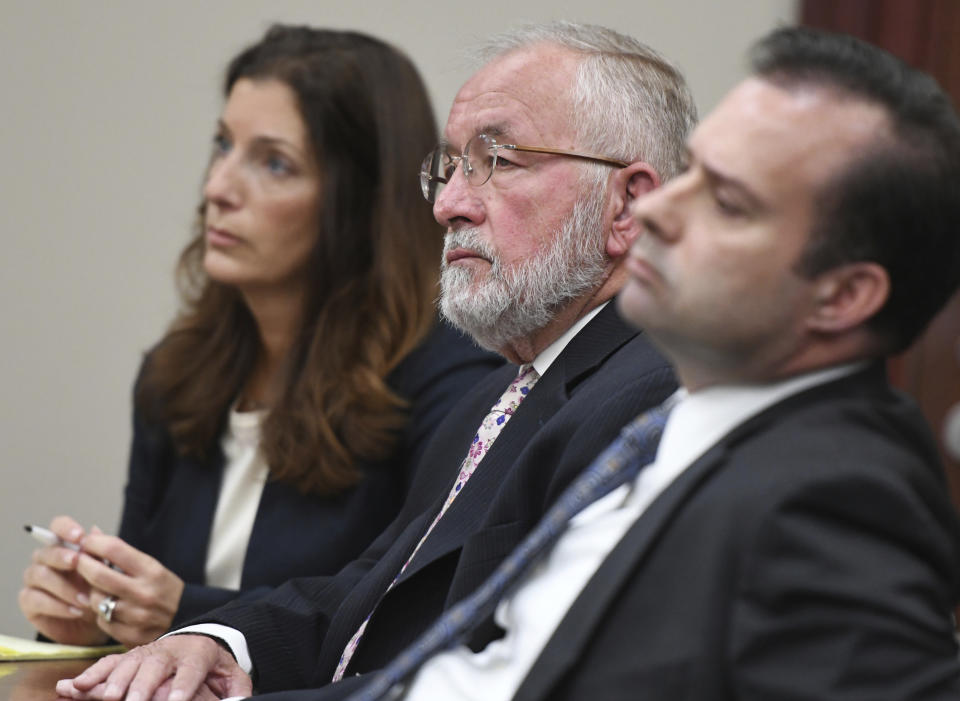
458, 203
658, 214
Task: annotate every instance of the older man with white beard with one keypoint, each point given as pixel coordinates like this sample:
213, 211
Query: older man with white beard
545, 149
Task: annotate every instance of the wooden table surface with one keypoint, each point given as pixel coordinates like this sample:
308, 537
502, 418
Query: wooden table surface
36, 681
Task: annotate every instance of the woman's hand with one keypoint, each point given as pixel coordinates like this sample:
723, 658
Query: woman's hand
147, 593
55, 598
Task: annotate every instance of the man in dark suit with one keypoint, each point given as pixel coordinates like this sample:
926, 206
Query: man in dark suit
793, 537
537, 209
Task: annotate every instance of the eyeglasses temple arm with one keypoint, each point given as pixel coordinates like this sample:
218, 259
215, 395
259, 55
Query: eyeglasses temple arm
562, 152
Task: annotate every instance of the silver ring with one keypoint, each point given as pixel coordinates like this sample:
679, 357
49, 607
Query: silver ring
106, 607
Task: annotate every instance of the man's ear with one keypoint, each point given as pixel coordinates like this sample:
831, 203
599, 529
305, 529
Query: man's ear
848, 296
629, 183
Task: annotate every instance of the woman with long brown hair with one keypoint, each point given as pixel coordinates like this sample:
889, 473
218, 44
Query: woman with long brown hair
277, 422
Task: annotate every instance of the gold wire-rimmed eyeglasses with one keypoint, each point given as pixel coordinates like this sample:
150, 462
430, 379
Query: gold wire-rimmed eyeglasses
479, 160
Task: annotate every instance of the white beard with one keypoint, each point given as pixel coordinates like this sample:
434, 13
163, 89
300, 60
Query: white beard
514, 303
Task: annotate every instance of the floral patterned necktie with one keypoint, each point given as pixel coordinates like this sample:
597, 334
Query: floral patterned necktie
489, 429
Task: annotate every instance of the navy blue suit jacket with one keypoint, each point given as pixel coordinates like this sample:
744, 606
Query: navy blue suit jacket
604, 377
170, 500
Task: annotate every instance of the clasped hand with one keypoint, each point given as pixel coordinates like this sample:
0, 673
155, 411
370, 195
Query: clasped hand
175, 668
63, 590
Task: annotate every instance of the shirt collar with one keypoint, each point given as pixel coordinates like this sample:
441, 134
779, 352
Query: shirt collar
546, 357
700, 420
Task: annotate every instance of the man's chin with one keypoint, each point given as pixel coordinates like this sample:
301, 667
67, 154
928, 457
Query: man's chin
632, 303
483, 337
483, 332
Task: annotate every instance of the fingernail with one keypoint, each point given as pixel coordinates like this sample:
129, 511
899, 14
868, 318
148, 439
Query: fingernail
68, 557
83, 599
135, 696
75, 533
77, 613
175, 695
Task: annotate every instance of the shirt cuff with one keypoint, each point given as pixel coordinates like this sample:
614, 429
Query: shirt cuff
232, 637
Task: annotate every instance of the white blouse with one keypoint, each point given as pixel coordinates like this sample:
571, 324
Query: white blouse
244, 474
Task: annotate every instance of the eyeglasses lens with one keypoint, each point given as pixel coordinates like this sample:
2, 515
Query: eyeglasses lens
439, 165
480, 153
435, 170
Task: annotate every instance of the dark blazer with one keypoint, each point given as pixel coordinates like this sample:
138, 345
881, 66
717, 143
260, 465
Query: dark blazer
604, 377
170, 500
812, 554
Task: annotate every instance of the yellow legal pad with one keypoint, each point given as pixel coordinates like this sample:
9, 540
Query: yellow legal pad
18, 649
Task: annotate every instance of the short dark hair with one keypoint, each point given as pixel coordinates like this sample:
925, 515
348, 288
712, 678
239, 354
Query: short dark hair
898, 204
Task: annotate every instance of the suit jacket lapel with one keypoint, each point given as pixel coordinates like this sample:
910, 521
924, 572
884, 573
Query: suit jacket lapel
461, 518
597, 341
587, 351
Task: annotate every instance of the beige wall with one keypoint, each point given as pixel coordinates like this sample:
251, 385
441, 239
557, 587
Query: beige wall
107, 112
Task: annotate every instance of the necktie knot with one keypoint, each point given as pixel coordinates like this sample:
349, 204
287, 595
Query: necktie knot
526, 378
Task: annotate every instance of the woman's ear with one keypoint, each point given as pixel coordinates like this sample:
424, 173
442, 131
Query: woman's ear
629, 183
848, 296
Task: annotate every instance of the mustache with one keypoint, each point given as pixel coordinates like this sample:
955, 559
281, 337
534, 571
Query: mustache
470, 239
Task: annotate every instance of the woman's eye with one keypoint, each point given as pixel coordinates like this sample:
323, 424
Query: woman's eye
278, 165
221, 145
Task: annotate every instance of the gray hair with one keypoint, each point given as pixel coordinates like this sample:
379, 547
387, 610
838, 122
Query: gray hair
629, 102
